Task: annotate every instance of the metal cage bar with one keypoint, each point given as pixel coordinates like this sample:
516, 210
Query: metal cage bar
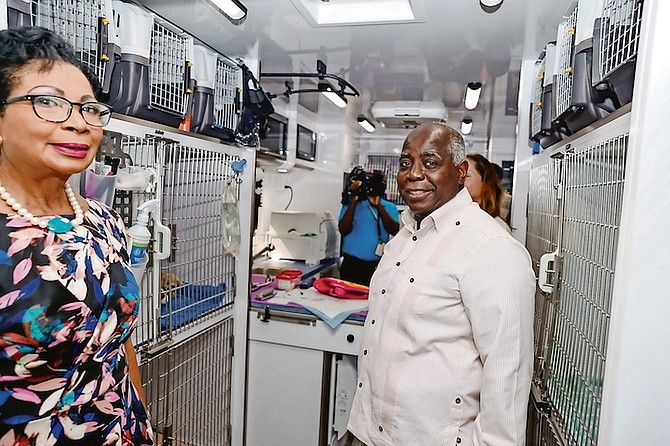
82, 23
226, 87
594, 182
144, 153
620, 30
169, 60
538, 90
565, 46
199, 278
542, 232
188, 389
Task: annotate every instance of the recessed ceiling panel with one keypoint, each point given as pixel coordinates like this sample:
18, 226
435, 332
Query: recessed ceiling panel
359, 12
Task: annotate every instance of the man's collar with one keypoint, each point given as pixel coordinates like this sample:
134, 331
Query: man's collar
441, 217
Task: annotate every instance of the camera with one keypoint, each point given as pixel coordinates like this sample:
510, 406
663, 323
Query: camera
373, 182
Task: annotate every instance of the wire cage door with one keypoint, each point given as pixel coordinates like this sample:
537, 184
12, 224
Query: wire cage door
227, 87
544, 214
198, 280
577, 325
536, 104
565, 48
86, 24
188, 389
169, 68
616, 42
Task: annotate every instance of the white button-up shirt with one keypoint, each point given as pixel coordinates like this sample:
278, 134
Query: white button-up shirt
447, 352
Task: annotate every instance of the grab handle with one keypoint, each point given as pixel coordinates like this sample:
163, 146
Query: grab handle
163, 239
547, 272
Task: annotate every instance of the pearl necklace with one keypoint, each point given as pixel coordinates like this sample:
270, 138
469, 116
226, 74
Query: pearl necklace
57, 225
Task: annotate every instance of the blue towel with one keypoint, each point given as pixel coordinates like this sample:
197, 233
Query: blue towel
190, 302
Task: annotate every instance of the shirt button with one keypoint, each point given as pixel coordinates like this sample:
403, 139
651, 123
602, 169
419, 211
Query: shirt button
458, 439
381, 429
458, 401
372, 321
411, 279
414, 238
365, 352
397, 263
458, 223
383, 291
360, 384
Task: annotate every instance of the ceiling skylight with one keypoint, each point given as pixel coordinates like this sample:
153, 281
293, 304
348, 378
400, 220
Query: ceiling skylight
358, 12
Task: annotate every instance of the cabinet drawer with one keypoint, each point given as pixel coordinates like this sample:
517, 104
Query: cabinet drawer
306, 333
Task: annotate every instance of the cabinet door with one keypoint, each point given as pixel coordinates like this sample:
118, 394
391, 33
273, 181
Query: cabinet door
284, 395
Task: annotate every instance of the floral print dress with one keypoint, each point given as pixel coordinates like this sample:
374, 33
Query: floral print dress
68, 302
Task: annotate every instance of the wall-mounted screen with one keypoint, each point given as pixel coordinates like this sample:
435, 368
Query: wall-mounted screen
306, 147
274, 136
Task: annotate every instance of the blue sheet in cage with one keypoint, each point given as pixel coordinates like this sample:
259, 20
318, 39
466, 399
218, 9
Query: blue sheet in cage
189, 302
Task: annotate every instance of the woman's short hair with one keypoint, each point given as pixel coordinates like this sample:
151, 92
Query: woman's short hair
20, 47
492, 191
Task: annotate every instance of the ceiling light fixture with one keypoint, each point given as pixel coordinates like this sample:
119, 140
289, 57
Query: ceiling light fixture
332, 94
366, 123
234, 10
490, 6
472, 94
335, 94
466, 126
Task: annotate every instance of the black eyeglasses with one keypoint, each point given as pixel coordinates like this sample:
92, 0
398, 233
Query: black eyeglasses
57, 109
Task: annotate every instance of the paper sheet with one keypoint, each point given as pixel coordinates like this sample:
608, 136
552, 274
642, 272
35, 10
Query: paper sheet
331, 310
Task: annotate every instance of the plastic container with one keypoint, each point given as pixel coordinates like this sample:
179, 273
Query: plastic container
288, 279
230, 222
139, 235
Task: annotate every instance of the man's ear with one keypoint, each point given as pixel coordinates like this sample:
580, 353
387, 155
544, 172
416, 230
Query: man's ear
462, 172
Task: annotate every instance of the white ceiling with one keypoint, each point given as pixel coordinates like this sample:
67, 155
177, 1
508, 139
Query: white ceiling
456, 43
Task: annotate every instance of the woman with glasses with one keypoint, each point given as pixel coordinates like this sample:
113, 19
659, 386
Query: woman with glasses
68, 301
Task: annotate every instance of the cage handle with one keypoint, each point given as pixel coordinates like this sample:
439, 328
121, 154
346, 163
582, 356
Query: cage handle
103, 38
163, 239
547, 272
188, 66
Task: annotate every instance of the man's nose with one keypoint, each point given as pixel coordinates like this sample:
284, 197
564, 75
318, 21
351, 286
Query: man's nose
416, 171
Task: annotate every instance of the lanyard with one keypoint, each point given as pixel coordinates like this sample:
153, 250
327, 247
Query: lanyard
377, 217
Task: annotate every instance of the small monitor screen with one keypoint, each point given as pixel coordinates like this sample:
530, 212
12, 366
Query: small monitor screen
274, 136
306, 149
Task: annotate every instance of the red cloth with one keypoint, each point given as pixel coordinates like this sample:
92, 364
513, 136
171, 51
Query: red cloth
342, 289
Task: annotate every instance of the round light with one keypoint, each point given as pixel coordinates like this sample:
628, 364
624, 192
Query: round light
490, 6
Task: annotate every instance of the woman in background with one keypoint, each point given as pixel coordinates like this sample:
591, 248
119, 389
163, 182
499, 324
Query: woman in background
485, 186
68, 301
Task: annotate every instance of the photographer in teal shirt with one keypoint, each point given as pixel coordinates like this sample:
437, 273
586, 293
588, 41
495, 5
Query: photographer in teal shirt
366, 223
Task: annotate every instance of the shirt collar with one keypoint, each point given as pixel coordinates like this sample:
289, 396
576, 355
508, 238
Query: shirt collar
442, 217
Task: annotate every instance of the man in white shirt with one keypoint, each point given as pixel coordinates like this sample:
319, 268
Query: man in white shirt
447, 353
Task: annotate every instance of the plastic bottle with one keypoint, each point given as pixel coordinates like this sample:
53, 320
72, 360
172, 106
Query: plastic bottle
230, 222
139, 235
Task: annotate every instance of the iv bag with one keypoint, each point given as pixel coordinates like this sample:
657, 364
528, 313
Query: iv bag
230, 222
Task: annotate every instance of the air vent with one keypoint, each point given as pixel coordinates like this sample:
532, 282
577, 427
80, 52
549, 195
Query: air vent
408, 114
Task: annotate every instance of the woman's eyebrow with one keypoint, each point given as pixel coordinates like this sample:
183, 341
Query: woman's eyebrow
84, 98
56, 89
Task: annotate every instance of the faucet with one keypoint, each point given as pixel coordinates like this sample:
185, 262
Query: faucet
268, 248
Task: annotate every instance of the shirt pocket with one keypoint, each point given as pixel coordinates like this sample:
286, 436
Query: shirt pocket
432, 290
